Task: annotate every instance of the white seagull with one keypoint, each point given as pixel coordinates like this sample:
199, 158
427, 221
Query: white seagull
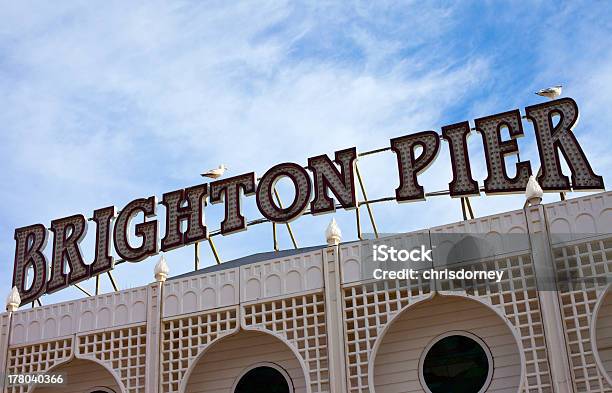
215, 173
550, 92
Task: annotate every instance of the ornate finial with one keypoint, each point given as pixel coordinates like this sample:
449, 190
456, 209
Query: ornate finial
13, 300
533, 191
161, 270
333, 234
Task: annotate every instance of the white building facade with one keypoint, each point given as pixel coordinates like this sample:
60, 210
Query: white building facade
313, 317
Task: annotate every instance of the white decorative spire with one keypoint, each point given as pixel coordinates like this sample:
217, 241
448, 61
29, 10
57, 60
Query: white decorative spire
161, 269
533, 191
333, 234
13, 300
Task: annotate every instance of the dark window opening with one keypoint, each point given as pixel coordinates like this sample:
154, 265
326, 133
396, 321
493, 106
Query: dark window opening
456, 364
263, 380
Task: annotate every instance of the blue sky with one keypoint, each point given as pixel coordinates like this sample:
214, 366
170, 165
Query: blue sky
105, 104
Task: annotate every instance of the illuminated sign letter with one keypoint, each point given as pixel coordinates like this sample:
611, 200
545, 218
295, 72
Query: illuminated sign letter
147, 230
66, 248
340, 182
551, 139
265, 192
103, 261
496, 150
229, 190
411, 166
176, 213
463, 183
31, 240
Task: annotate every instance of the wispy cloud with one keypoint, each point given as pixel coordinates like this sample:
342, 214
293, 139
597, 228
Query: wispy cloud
105, 104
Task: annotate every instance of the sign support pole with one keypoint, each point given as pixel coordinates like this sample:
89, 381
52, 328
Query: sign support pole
469, 206
365, 199
112, 280
196, 256
274, 239
466, 208
82, 290
358, 221
214, 250
280, 204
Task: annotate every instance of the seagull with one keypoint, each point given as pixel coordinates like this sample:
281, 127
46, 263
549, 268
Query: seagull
215, 173
550, 92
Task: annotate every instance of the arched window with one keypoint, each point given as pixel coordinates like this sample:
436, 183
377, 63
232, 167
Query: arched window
101, 390
458, 362
264, 378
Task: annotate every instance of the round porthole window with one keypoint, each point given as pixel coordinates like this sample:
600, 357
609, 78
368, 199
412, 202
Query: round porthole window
457, 362
265, 378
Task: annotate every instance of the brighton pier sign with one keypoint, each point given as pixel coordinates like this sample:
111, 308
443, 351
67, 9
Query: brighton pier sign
552, 121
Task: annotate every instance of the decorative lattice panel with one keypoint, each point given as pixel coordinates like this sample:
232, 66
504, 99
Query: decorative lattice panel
516, 297
36, 358
583, 270
184, 338
123, 350
367, 309
301, 321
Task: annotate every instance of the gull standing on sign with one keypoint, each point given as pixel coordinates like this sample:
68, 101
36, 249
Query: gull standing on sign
550, 92
215, 173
